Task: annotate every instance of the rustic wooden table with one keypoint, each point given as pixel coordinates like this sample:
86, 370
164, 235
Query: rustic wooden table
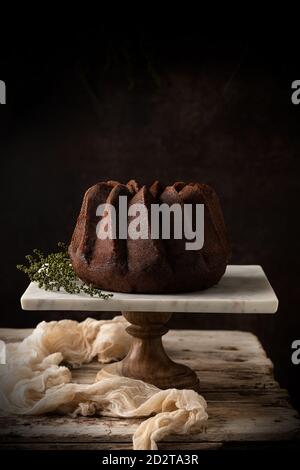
246, 406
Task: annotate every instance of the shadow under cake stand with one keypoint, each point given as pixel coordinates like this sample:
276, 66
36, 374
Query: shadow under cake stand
242, 289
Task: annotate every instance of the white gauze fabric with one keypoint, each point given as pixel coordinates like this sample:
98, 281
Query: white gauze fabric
33, 381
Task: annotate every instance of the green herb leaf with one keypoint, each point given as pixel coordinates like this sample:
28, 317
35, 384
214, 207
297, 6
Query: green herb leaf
54, 272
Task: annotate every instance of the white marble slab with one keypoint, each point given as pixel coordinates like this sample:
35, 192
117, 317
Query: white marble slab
243, 289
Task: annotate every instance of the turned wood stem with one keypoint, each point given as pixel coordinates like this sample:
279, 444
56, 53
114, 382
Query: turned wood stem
147, 359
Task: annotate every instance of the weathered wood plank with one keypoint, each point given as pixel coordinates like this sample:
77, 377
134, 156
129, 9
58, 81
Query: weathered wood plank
221, 378
227, 422
215, 339
75, 446
12, 335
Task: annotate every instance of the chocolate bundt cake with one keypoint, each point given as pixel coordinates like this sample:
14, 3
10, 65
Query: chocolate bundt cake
149, 265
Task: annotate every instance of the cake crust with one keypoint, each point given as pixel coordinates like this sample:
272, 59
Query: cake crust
149, 265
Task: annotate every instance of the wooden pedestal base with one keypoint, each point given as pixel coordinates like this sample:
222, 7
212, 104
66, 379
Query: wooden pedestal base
147, 360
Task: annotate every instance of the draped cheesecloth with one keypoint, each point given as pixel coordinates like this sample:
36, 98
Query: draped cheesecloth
33, 381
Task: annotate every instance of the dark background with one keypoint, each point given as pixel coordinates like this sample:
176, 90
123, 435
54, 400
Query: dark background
100, 106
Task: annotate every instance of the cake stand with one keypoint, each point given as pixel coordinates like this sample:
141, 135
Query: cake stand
242, 289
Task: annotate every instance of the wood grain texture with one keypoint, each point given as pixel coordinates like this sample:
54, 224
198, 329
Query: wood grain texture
147, 359
245, 403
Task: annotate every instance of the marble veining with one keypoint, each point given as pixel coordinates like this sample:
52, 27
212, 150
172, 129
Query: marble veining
243, 289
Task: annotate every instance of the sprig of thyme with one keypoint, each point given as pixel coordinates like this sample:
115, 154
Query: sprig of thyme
54, 272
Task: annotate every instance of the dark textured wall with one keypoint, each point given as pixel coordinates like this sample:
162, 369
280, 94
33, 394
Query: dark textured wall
182, 109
